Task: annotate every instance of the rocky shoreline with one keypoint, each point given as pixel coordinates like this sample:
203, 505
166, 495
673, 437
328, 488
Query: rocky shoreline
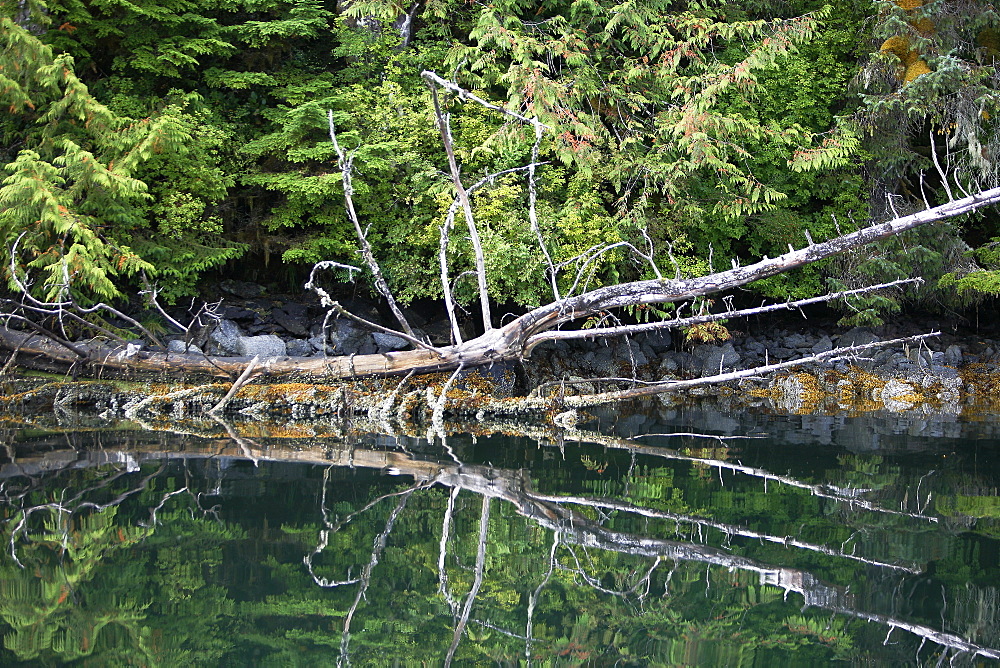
951, 373
943, 373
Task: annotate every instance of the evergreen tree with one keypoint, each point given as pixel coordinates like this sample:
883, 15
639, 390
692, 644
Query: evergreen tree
74, 199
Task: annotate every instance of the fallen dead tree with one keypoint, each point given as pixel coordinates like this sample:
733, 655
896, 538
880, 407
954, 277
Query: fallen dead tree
512, 341
35, 345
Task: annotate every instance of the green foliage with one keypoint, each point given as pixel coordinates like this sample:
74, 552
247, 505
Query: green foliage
984, 280
929, 105
78, 204
175, 137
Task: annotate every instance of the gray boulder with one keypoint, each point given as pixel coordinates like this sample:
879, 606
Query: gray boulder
797, 341
224, 339
385, 343
953, 355
669, 365
630, 354
291, 319
822, 346
319, 344
349, 339
266, 345
858, 336
717, 359
298, 348
178, 346
659, 340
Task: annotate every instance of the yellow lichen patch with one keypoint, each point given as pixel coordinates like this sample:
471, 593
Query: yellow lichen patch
982, 386
924, 26
909, 5
274, 429
811, 393
916, 69
796, 393
899, 47
281, 392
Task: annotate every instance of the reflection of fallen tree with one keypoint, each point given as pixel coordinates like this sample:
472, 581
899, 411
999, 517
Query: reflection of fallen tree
557, 514
126, 449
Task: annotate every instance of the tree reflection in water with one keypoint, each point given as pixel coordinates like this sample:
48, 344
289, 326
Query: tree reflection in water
239, 548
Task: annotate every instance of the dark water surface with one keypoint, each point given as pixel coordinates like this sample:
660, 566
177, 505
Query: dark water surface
792, 540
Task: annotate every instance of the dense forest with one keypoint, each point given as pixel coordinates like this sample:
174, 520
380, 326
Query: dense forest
167, 143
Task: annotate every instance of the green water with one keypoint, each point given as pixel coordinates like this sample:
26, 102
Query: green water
791, 541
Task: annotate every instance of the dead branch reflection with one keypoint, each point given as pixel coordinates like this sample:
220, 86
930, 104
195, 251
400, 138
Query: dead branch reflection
573, 532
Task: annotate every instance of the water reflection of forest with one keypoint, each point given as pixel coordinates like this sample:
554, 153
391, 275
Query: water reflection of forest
237, 547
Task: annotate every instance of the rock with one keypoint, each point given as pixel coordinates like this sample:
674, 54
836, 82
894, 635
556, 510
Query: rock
242, 289
669, 365
262, 327
236, 313
578, 385
298, 348
267, 345
566, 420
953, 355
178, 346
719, 359
319, 344
367, 346
659, 340
349, 339
439, 332
385, 343
600, 361
293, 323
858, 336
789, 393
629, 354
796, 341
888, 361
224, 339
896, 395
499, 379
779, 353
822, 346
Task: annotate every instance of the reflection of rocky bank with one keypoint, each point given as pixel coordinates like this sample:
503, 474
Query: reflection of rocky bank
878, 431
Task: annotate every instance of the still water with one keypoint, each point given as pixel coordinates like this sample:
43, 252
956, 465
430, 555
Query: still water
668, 536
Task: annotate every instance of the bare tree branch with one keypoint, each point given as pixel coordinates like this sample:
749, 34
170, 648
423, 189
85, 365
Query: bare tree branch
463, 196
345, 162
597, 332
484, 524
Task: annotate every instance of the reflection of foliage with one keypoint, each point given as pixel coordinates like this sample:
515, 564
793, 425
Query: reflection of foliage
43, 604
229, 587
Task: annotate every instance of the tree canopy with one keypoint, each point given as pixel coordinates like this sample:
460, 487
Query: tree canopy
170, 139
